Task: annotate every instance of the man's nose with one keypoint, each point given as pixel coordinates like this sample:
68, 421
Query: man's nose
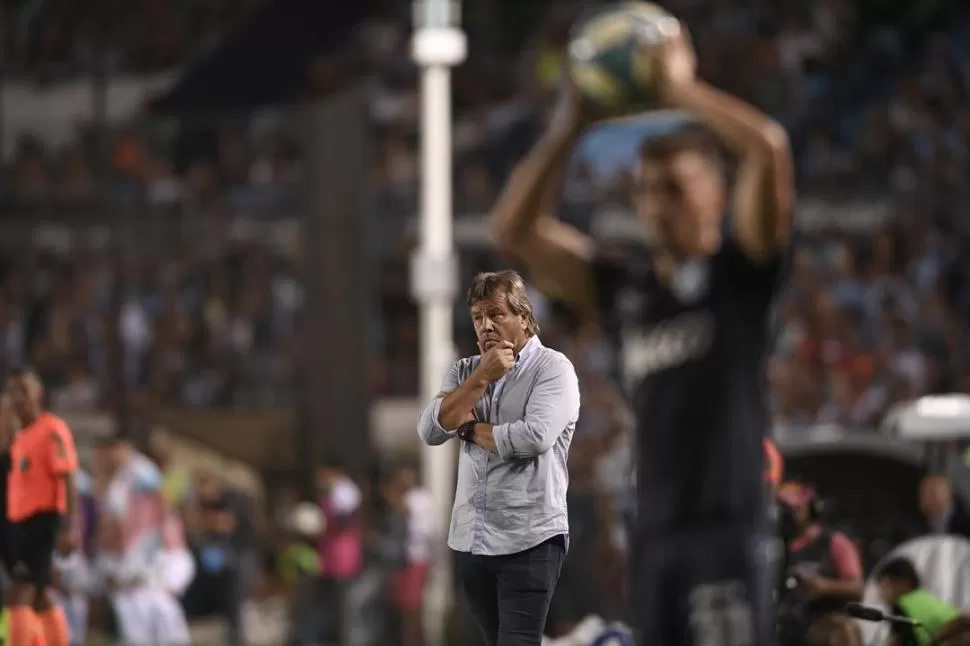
487, 325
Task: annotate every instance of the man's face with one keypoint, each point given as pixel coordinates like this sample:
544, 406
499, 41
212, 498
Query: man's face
935, 497
680, 200
495, 322
25, 392
890, 591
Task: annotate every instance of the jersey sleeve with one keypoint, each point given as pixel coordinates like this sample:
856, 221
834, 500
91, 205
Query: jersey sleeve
755, 282
63, 454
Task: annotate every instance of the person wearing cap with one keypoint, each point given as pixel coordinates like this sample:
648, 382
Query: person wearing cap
823, 568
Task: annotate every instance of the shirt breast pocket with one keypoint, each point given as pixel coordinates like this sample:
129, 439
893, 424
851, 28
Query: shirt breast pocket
514, 401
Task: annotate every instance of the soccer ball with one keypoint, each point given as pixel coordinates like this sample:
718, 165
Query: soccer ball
608, 61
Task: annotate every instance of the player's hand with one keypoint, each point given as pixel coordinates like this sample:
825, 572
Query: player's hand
497, 361
676, 64
568, 116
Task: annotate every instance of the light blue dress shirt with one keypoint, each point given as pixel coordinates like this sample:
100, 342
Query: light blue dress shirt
516, 499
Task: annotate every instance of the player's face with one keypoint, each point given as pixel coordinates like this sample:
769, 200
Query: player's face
680, 200
494, 322
25, 392
109, 458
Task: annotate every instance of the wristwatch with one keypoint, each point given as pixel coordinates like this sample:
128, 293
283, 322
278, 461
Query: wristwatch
467, 430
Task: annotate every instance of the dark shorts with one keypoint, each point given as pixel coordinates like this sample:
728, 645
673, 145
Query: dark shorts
32, 548
6, 545
709, 587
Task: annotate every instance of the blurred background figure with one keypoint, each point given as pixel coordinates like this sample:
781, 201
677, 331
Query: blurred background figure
403, 542
942, 513
222, 534
823, 571
299, 569
340, 546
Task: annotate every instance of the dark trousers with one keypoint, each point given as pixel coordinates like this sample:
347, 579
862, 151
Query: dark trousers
240, 580
509, 595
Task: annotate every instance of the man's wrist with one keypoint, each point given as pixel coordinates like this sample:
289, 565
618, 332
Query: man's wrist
680, 94
466, 431
561, 135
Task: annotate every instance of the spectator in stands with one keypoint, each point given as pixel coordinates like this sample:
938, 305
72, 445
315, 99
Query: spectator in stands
943, 514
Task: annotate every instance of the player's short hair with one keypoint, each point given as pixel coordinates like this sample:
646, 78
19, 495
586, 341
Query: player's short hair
486, 285
687, 137
900, 569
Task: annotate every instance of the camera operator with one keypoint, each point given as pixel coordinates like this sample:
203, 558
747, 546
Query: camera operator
823, 572
901, 589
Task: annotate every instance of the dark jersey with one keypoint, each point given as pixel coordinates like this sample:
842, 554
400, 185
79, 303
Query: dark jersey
692, 356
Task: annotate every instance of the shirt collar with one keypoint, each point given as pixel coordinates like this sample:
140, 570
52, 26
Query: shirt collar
531, 346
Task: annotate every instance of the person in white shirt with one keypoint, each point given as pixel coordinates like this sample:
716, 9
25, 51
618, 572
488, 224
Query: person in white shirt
142, 588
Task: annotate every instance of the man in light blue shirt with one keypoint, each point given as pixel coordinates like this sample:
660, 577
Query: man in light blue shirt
514, 408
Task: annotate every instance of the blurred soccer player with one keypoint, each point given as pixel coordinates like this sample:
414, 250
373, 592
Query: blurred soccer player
41, 505
691, 322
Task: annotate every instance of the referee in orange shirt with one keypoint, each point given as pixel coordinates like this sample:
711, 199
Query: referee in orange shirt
41, 504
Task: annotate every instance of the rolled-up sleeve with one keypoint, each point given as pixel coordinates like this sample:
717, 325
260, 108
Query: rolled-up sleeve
429, 429
553, 405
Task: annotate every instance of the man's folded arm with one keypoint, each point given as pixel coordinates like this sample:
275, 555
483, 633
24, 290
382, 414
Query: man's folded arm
453, 405
552, 406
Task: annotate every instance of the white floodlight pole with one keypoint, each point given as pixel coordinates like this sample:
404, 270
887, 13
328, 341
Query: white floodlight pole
438, 45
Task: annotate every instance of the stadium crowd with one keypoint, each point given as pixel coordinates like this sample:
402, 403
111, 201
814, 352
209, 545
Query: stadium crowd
876, 311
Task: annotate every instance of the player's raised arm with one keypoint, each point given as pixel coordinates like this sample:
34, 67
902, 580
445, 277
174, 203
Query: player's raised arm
523, 219
765, 188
